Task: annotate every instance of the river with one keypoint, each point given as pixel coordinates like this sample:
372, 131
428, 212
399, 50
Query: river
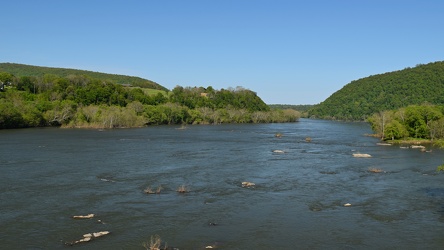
49, 175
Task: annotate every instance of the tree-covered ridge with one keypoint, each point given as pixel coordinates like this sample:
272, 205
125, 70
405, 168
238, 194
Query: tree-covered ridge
198, 97
300, 108
361, 98
80, 101
20, 70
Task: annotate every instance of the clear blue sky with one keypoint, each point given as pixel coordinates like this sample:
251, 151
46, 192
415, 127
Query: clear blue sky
288, 51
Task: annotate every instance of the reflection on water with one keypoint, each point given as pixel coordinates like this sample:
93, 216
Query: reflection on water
48, 175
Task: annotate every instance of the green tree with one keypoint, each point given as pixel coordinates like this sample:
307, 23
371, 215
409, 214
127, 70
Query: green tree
10, 117
61, 113
395, 130
416, 124
437, 129
379, 122
27, 83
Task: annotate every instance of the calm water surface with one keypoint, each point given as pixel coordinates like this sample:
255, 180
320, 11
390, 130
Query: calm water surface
48, 175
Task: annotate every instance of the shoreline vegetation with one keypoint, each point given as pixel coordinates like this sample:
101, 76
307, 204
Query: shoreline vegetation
409, 141
82, 101
412, 125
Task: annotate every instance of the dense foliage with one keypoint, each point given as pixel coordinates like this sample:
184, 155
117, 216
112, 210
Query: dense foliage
300, 108
83, 101
415, 121
20, 70
361, 98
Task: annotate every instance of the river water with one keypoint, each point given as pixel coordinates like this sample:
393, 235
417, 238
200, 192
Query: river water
49, 175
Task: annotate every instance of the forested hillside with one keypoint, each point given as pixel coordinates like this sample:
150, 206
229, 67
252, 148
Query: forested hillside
88, 102
20, 70
361, 98
300, 108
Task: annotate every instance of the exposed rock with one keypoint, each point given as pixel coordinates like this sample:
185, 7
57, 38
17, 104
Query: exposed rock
88, 237
375, 170
148, 190
248, 184
362, 155
89, 216
182, 189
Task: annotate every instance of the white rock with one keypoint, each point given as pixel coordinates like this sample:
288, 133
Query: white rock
89, 216
278, 151
362, 155
99, 234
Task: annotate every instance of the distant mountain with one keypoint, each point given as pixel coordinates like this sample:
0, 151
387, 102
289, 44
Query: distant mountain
361, 98
19, 70
300, 107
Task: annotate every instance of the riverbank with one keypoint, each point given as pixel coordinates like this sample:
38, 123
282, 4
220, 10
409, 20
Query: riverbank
411, 141
416, 141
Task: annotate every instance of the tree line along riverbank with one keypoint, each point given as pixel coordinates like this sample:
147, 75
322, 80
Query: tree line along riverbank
82, 101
